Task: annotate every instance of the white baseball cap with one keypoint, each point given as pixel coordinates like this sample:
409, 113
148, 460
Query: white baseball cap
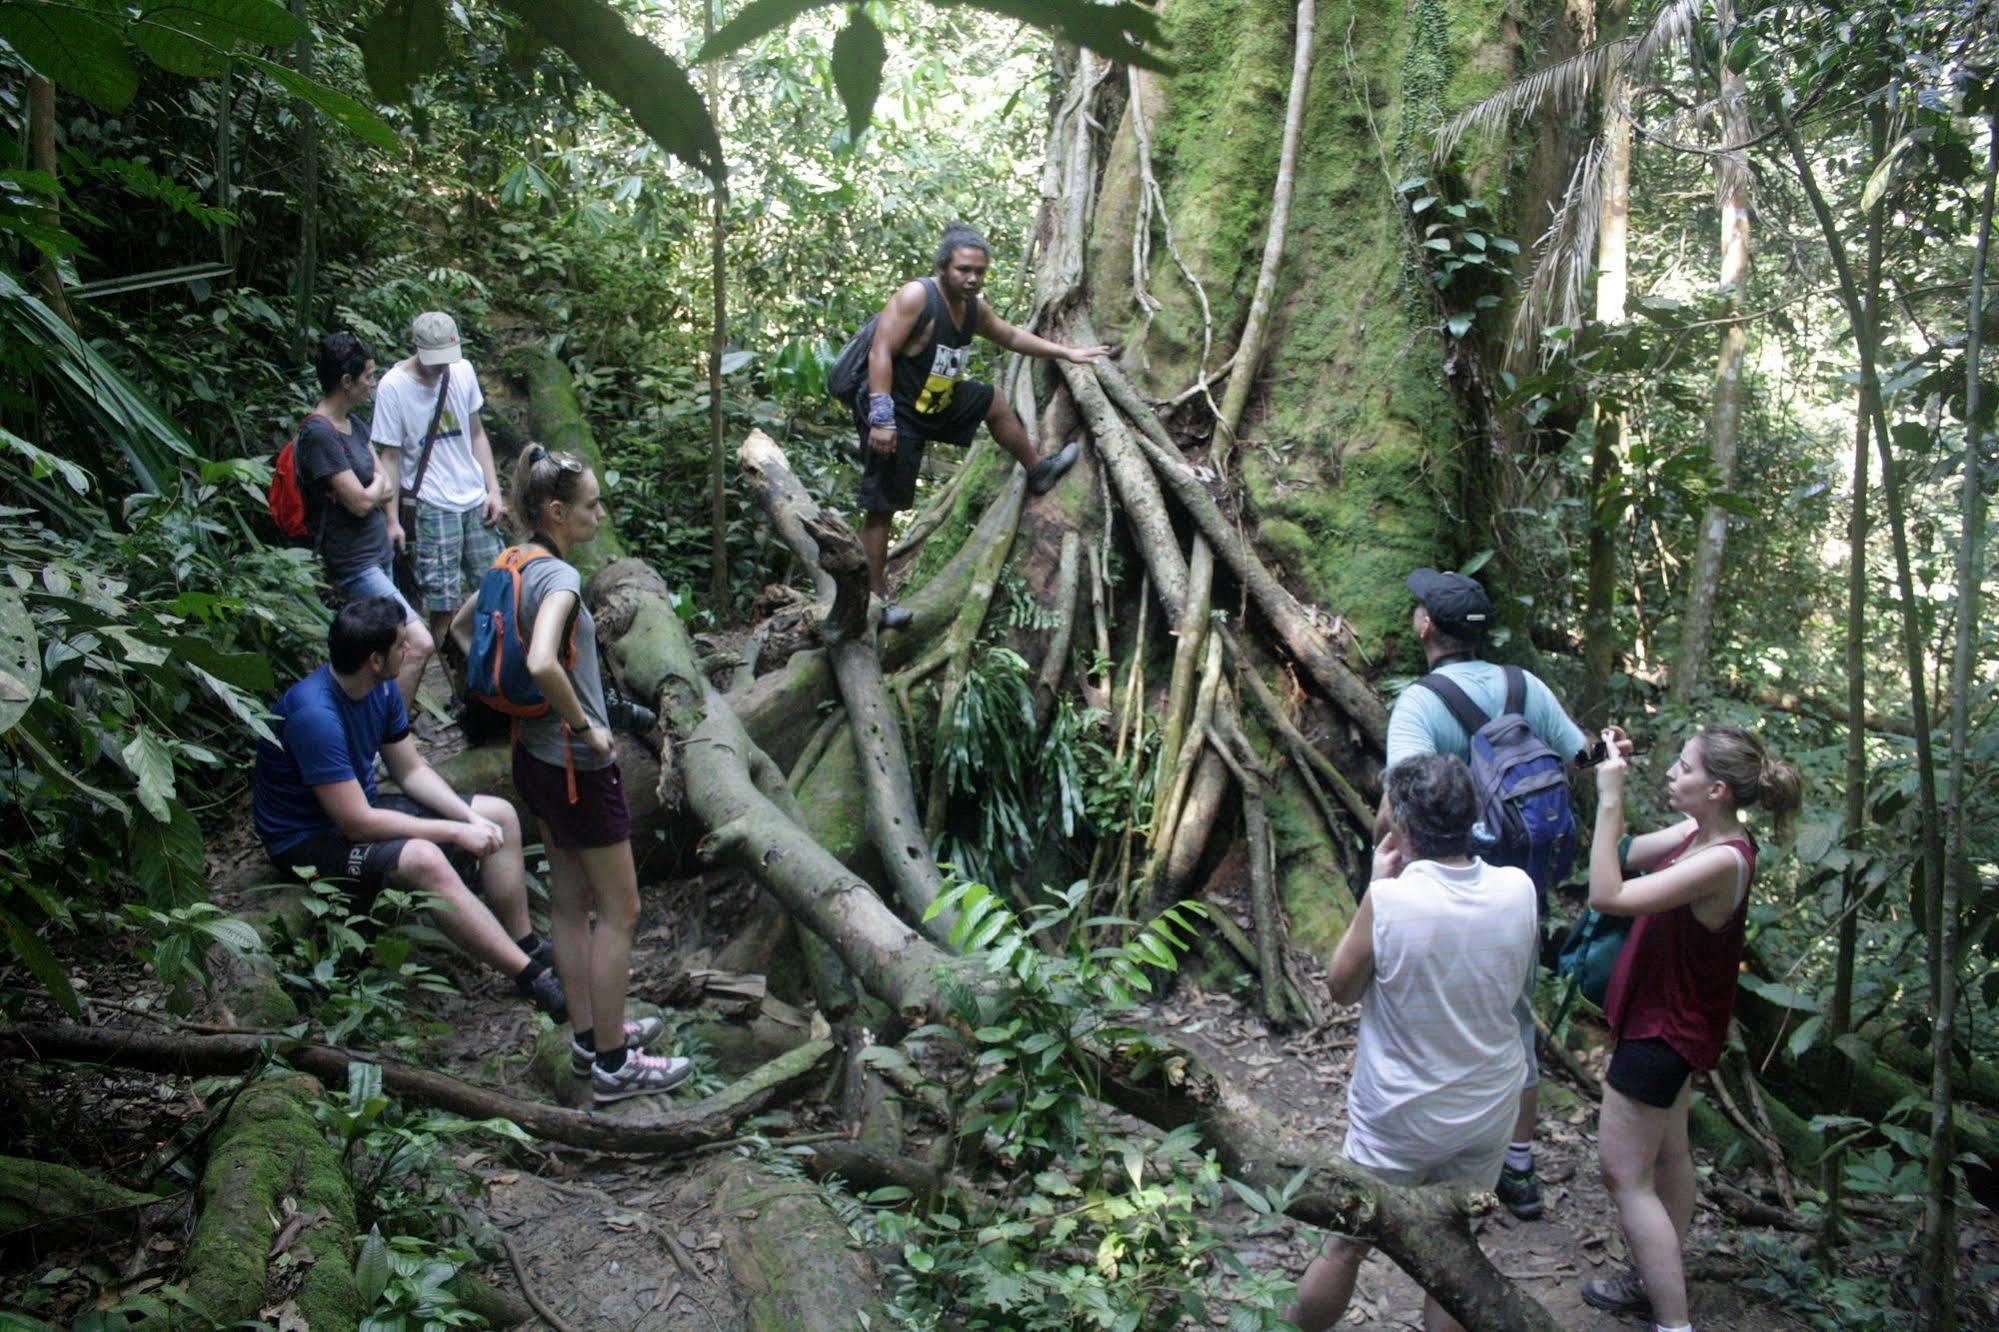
435, 334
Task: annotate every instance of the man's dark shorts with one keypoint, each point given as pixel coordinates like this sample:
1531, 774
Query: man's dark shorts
367, 865
888, 481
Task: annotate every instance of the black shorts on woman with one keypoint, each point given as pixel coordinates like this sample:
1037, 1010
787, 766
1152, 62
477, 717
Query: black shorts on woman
931, 402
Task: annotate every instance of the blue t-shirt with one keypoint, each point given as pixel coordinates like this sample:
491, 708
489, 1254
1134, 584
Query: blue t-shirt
1421, 723
328, 738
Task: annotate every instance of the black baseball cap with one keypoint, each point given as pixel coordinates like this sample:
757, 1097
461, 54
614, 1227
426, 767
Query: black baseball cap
1456, 602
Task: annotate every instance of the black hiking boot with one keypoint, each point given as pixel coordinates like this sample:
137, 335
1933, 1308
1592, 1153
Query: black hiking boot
546, 992
1520, 1192
627, 715
1041, 477
1623, 1294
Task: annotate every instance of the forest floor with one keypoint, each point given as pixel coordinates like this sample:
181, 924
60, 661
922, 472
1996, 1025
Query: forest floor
632, 1244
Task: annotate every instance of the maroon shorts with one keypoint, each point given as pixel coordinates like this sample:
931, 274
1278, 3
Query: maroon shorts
599, 815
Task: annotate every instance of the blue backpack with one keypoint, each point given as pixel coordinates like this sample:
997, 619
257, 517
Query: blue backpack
1523, 785
496, 670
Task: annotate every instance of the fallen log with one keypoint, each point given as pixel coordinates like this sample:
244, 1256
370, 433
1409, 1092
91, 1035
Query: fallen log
41, 1201
791, 1257
827, 547
686, 1126
272, 1185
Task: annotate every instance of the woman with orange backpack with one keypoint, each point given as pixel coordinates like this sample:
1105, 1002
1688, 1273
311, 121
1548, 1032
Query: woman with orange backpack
345, 493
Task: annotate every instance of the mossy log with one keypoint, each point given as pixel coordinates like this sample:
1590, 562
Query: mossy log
556, 419
45, 1203
271, 1173
839, 569
686, 1125
1875, 1086
790, 1257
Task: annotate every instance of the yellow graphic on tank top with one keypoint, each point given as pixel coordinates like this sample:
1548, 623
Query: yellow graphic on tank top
947, 367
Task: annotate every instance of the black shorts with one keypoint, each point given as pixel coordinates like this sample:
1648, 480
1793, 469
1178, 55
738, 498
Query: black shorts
599, 816
1649, 1071
368, 865
888, 480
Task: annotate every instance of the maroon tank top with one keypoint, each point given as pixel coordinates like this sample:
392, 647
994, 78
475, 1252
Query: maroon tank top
1675, 979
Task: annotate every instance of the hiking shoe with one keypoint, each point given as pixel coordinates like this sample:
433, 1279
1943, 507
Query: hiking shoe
641, 1075
639, 1033
894, 616
1041, 477
1623, 1294
1520, 1192
542, 952
546, 991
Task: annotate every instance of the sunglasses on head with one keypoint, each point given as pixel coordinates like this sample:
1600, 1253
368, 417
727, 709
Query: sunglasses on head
565, 461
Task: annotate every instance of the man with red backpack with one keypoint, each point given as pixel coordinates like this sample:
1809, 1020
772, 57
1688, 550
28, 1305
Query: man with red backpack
1521, 744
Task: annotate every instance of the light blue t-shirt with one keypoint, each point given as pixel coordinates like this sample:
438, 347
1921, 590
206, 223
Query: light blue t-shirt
1421, 723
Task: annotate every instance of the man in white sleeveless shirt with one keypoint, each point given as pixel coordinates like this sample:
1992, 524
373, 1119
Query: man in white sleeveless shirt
1437, 954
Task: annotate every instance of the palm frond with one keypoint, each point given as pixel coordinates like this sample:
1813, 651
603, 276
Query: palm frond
1566, 251
1671, 26
1564, 85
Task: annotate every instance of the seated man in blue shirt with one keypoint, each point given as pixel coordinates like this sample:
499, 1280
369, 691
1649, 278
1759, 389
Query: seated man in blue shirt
316, 807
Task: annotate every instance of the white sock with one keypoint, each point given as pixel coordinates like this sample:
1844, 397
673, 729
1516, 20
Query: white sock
1520, 1155
1683, 1327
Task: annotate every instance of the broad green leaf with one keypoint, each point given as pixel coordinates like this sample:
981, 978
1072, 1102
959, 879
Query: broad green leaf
43, 463
1119, 31
757, 19
858, 54
257, 22
20, 659
178, 51
1807, 1032
73, 50
371, 1268
1782, 995
247, 709
232, 933
167, 858
341, 108
403, 44
1460, 324
636, 74
153, 764
40, 962
245, 670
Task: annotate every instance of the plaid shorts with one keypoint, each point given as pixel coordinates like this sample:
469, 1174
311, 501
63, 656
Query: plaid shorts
453, 551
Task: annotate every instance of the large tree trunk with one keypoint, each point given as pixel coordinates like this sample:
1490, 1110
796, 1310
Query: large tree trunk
1731, 166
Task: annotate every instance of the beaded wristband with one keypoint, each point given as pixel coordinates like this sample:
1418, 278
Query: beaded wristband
881, 409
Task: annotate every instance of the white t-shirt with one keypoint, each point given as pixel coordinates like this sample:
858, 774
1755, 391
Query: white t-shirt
402, 413
1439, 1064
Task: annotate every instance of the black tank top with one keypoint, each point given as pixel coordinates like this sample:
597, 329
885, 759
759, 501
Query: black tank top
926, 381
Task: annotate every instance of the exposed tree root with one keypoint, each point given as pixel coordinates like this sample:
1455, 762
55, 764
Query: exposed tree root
683, 1127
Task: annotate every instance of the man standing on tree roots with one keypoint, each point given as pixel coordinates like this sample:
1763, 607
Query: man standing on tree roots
915, 392
1452, 619
315, 805
434, 447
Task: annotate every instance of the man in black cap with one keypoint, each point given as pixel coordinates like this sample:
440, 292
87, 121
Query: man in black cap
1452, 620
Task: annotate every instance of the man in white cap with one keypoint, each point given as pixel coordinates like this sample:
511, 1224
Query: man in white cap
435, 449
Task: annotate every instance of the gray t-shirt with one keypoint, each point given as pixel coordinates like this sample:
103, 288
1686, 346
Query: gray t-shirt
349, 545
542, 736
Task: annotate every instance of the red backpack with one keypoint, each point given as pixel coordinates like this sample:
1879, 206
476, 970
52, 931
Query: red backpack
286, 497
